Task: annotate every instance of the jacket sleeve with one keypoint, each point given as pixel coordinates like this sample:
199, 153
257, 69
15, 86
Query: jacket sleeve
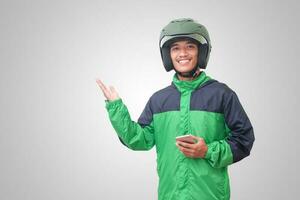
136, 136
237, 145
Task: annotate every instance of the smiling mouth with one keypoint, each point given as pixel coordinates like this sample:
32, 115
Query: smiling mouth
185, 61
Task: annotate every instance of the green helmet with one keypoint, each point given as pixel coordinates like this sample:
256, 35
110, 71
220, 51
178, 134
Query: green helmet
184, 28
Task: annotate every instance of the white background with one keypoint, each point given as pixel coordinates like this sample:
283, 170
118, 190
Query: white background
56, 141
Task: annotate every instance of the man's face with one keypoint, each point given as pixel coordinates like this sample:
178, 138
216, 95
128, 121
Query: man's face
184, 55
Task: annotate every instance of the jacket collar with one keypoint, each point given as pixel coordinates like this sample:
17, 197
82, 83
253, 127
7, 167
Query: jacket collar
188, 86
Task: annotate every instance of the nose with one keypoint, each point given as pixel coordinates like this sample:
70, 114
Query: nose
182, 52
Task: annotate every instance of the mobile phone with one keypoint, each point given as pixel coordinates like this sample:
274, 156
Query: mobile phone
186, 138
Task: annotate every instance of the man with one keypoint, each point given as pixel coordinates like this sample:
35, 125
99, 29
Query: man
193, 104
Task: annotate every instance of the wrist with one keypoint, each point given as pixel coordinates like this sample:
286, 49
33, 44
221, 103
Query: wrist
207, 154
112, 103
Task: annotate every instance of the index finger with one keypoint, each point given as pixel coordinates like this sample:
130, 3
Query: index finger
197, 138
186, 145
101, 85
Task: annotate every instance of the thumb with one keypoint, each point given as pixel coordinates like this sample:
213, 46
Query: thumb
197, 138
112, 89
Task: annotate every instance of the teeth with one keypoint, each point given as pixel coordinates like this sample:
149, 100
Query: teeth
183, 61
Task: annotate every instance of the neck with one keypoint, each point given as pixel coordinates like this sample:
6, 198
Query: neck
182, 78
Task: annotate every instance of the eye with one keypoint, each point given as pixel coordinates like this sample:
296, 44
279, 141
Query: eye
191, 46
175, 48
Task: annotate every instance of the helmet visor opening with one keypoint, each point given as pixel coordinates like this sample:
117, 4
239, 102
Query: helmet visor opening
168, 39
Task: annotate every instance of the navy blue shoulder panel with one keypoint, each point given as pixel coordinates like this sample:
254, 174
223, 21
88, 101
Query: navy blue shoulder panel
166, 99
208, 97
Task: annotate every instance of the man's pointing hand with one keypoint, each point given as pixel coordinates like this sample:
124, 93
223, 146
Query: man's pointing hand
109, 92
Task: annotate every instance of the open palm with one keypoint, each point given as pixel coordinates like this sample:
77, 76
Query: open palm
109, 92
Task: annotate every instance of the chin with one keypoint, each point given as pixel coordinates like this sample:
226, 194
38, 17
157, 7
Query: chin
184, 69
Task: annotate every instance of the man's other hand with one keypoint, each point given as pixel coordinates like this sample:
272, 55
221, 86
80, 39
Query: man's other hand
197, 150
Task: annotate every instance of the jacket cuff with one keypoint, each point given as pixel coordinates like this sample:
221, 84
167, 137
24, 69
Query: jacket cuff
209, 152
113, 104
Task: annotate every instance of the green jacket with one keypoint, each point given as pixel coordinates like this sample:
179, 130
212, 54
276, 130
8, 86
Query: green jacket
203, 107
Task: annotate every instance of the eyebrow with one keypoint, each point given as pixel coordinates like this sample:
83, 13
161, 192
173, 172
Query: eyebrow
175, 43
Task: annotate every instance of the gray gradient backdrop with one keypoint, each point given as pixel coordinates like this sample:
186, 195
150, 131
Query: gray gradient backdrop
56, 141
